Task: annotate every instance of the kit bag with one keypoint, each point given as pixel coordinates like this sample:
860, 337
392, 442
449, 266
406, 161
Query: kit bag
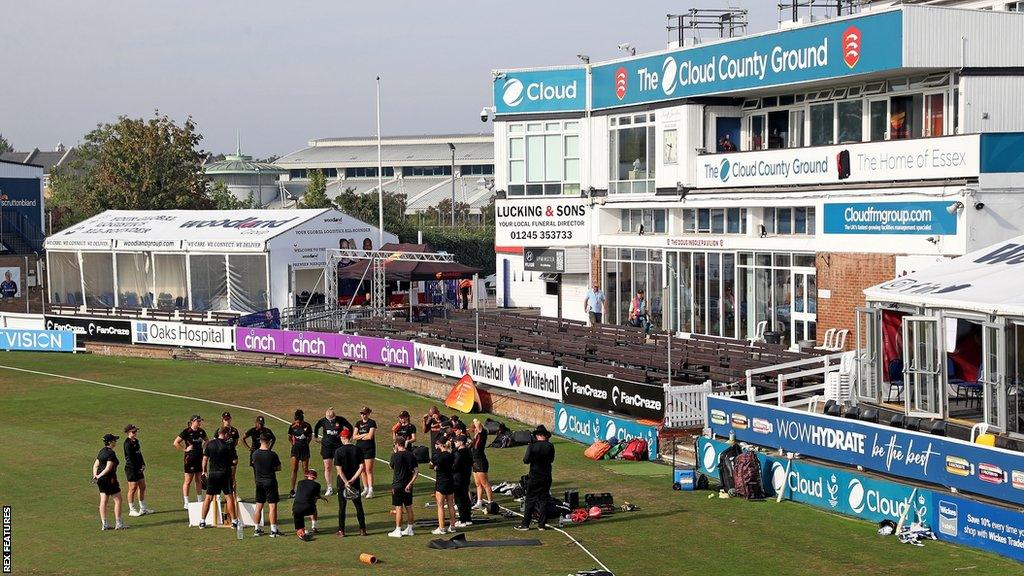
725, 465
636, 450
746, 477
521, 437
597, 450
617, 448
493, 427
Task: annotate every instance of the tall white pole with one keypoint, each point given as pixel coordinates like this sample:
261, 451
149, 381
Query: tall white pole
380, 174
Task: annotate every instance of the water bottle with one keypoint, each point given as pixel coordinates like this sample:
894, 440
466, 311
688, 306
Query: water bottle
240, 528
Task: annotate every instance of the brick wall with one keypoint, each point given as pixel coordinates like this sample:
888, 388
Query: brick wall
846, 275
595, 264
30, 296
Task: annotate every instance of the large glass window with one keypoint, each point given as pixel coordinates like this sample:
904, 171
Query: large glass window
247, 281
934, 113
796, 128
545, 159
822, 124
778, 129
786, 221
645, 221
878, 120
714, 221
905, 116
631, 145
757, 132
851, 124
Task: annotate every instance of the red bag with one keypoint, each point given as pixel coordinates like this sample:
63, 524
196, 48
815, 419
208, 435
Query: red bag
597, 450
636, 450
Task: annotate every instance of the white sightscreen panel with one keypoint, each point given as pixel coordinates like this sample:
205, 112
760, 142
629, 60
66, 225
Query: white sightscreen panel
170, 282
247, 276
65, 278
134, 280
209, 276
98, 278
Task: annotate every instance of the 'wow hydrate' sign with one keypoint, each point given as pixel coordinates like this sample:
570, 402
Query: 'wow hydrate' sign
992, 472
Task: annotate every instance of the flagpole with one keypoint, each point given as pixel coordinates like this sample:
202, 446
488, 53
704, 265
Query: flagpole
380, 174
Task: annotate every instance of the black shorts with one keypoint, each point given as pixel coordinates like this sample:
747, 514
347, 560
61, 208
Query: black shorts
219, 484
399, 497
133, 475
108, 485
481, 465
193, 462
266, 493
327, 452
234, 456
300, 452
444, 488
369, 453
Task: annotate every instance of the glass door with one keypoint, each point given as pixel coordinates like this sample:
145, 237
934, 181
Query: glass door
934, 114
868, 349
923, 366
992, 375
758, 132
795, 138
805, 305
878, 119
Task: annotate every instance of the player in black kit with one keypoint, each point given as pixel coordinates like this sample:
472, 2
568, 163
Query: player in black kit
218, 459
252, 437
331, 425
348, 463
104, 475
232, 441
191, 441
306, 494
134, 472
265, 466
299, 434
539, 455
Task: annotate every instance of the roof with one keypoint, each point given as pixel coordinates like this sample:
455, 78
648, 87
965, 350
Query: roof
241, 164
407, 270
395, 151
990, 280
180, 230
45, 159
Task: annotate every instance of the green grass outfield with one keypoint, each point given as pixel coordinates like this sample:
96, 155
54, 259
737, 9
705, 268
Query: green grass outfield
50, 430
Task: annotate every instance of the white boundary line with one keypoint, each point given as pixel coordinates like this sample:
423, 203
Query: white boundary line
258, 411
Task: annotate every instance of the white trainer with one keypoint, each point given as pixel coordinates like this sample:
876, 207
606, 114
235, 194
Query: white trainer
396, 533
133, 512
451, 529
330, 490
461, 524
438, 531
408, 531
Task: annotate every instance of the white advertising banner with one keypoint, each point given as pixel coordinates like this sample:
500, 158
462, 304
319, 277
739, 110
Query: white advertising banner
306, 246
509, 374
541, 222
179, 334
915, 159
25, 321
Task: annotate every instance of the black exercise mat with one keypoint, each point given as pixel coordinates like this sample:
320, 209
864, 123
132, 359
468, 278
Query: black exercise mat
459, 541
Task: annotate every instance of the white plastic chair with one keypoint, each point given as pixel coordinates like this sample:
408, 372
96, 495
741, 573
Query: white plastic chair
839, 343
827, 342
758, 336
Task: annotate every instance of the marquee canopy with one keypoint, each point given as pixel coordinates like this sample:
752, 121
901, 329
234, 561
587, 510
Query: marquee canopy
990, 280
407, 270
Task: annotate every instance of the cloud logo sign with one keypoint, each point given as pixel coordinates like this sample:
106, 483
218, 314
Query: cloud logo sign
856, 496
610, 431
709, 457
621, 78
669, 76
852, 46
513, 92
778, 477
723, 171
563, 421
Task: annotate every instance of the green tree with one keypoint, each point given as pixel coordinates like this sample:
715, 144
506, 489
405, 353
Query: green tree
132, 164
5, 146
316, 192
223, 199
364, 207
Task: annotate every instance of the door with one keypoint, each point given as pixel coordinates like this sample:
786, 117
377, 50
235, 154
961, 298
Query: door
923, 367
758, 132
993, 374
868, 351
506, 287
804, 298
878, 119
934, 114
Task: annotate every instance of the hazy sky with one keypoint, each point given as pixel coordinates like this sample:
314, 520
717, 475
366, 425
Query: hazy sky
285, 72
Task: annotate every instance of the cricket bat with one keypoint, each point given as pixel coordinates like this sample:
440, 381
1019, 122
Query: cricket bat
903, 517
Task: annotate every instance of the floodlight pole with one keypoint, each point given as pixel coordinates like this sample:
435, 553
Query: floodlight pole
380, 176
452, 146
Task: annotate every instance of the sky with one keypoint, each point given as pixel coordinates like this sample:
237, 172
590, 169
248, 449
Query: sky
283, 73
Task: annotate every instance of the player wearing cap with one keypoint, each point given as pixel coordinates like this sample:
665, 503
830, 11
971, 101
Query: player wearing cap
307, 492
539, 455
191, 441
134, 472
266, 465
104, 475
404, 428
253, 436
332, 425
348, 463
299, 434
232, 441
217, 462
405, 471
365, 437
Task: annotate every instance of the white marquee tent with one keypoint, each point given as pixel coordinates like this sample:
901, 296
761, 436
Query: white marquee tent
219, 260
990, 280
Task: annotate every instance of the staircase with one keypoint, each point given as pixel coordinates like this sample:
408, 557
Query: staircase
18, 235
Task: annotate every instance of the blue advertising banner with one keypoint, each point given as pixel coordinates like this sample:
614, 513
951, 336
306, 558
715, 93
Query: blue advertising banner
991, 472
979, 525
550, 90
890, 218
831, 50
37, 340
845, 492
588, 427
24, 197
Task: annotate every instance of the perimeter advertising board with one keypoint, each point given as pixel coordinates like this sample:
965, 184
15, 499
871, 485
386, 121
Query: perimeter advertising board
382, 351
506, 373
541, 222
92, 329
37, 340
645, 401
588, 427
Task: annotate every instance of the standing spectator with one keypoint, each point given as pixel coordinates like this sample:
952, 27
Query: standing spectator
134, 468
465, 286
638, 312
594, 304
104, 475
540, 455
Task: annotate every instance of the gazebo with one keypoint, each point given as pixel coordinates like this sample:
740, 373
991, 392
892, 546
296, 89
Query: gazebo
246, 177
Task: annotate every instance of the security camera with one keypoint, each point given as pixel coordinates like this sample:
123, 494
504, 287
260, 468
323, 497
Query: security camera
955, 207
484, 114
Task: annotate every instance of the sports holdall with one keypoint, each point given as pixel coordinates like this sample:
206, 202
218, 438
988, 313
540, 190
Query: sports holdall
616, 451
602, 500
597, 450
422, 454
521, 437
746, 477
493, 427
636, 450
502, 440
725, 465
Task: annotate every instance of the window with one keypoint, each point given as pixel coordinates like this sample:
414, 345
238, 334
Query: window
905, 116
851, 125
796, 128
371, 172
757, 132
653, 221
669, 151
425, 171
778, 129
297, 173
878, 115
786, 221
1015, 6
934, 113
714, 221
822, 129
476, 170
545, 160
631, 144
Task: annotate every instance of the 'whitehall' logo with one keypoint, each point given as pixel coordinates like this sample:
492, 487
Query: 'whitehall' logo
851, 46
620, 82
513, 94
723, 171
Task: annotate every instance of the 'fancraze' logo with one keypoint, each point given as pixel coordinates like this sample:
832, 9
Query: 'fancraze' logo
851, 46
621, 79
249, 222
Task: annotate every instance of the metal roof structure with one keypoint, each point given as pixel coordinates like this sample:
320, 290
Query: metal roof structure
241, 164
397, 151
